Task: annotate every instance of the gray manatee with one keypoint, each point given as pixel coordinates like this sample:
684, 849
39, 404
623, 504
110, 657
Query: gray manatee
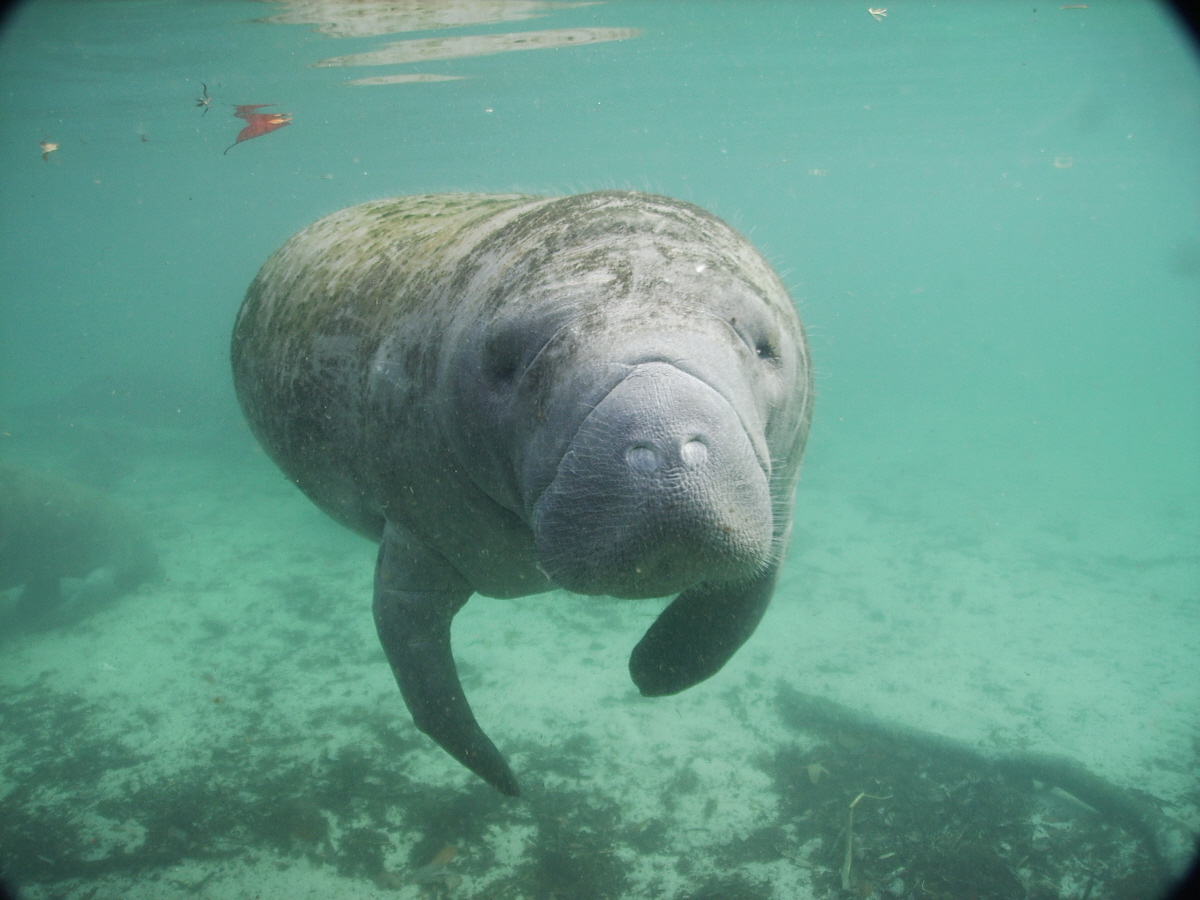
69, 548
608, 393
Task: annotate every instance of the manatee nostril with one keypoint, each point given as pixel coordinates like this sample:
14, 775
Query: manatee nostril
642, 457
694, 453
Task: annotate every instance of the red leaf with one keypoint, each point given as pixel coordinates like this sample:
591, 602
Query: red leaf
259, 123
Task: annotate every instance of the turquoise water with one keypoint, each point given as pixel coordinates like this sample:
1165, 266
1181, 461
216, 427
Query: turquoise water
987, 213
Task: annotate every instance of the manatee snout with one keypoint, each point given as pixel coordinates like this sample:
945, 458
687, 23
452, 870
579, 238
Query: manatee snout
660, 489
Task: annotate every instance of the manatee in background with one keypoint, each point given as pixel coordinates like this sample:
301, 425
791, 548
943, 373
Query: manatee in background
51, 530
608, 393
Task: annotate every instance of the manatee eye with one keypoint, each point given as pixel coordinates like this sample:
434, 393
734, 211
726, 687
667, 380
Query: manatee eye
502, 359
766, 350
763, 345
503, 369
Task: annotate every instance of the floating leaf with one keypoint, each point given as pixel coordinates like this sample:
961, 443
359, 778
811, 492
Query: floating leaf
259, 123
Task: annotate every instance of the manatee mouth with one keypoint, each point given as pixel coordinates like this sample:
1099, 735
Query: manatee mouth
659, 490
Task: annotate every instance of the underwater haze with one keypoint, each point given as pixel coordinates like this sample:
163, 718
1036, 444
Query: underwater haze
980, 673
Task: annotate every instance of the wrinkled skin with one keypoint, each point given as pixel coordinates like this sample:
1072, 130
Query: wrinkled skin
607, 393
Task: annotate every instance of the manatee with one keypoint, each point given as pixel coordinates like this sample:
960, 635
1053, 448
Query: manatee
68, 547
607, 393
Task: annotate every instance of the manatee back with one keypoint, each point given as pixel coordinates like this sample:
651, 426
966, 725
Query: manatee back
314, 319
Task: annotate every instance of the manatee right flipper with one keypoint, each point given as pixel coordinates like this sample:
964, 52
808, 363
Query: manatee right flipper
416, 596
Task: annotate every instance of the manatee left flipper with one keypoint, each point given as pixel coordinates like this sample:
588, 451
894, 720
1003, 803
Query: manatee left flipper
417, 594
697, 634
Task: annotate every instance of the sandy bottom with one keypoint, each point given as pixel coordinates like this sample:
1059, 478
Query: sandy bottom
234, 730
